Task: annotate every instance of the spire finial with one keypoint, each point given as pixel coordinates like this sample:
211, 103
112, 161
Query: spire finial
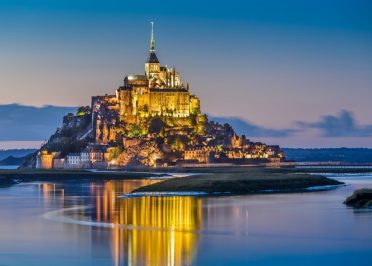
152, 41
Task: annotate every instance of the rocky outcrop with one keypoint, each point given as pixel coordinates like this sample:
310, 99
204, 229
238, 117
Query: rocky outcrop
74, 135
29, 162
143, 153
361, 198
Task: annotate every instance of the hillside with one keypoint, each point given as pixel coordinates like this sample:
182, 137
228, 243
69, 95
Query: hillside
13, 160
17, 153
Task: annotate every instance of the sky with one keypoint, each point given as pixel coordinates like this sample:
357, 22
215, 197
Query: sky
294, 73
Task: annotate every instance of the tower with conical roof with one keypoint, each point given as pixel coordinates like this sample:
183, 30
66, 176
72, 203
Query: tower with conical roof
152, 65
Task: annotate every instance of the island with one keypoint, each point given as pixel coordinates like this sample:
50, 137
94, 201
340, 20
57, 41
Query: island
152, 120
361, 198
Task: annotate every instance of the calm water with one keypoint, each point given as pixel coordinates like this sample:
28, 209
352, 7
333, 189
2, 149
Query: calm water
8, 167
86, 223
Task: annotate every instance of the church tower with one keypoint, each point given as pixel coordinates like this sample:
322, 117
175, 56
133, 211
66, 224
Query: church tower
152, 65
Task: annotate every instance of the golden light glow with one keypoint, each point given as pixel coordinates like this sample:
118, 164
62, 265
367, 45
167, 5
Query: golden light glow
163, 230
147, 231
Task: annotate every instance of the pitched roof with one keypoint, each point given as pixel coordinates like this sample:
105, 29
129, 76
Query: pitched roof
152, 58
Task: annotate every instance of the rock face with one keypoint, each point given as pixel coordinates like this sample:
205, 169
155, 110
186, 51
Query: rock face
361, 198
142, 153
74, 134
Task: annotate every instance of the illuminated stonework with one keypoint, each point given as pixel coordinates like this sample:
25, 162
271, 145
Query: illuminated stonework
159, 91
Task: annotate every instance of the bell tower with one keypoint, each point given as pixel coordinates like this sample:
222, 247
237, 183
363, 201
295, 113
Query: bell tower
152, 65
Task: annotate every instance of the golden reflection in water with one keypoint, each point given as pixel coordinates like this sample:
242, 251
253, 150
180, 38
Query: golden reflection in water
163, 227
51, 194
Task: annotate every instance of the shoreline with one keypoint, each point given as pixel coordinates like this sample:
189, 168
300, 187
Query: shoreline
12, 177
211, 181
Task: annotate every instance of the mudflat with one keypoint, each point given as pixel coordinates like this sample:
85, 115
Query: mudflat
243, 181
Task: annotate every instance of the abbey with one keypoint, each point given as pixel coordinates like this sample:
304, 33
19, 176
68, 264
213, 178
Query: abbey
158, 92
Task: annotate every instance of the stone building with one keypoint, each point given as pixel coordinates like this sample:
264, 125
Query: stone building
44, 160
73, 160
159, 91
202, 154
93, 153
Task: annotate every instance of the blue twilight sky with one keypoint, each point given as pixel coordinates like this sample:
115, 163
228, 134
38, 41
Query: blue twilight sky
296, 73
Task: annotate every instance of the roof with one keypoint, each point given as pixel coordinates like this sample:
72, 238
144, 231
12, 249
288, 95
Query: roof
152, 58
136, 77
73, 154
168, 90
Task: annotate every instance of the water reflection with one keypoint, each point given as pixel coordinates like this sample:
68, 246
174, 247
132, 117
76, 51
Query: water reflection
164, 228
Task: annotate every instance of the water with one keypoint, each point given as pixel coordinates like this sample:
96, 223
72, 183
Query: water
8, 167
85, 223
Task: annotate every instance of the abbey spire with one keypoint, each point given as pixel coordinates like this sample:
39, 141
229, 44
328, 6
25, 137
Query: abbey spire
152, 65
152, 41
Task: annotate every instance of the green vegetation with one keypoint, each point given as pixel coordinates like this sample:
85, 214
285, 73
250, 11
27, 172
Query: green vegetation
115, 152
136, 131
83, 111
156, 125
67, 139
178, 142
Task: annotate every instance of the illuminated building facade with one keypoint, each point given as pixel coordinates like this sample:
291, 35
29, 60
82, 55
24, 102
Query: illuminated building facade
159, 91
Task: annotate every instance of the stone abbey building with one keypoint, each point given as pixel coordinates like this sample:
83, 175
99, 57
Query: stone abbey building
159, 91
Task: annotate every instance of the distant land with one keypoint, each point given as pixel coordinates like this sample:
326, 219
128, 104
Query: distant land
14, 161
347, 155
17, 153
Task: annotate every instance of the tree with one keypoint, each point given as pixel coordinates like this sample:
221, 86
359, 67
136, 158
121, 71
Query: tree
156, 125
83, 110
135, 131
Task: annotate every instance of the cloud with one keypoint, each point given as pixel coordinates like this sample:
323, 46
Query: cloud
341, 125
242, 126
20, 122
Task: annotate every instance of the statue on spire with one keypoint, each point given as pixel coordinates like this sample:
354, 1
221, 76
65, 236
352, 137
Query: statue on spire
152, 41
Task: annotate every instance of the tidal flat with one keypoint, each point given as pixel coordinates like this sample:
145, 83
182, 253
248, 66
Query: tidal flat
234, 180
243, 181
